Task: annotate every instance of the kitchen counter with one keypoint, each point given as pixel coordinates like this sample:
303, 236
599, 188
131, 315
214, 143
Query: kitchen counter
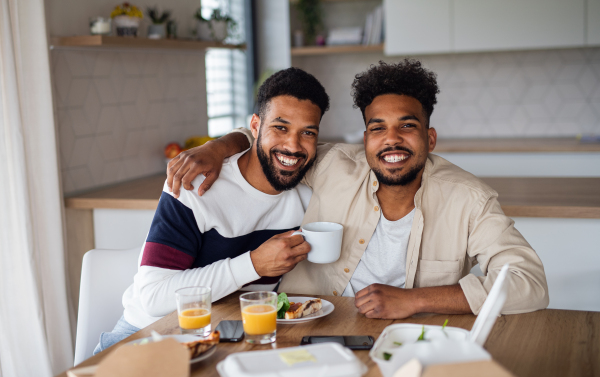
519, 197
515, 145
508, 145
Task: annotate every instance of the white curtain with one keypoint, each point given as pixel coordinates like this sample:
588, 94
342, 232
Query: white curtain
35, 335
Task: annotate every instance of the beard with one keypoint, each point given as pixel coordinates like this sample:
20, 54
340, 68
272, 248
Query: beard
281, 180
398, 179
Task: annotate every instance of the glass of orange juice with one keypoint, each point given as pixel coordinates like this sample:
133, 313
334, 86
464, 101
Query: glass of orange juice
193, 310
259, 316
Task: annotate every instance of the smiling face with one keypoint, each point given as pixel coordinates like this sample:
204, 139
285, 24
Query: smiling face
286, 140
397, 139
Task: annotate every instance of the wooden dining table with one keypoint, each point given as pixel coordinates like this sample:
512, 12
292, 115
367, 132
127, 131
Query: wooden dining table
543, 343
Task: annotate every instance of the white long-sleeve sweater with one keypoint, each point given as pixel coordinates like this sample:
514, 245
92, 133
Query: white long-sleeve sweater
206, 241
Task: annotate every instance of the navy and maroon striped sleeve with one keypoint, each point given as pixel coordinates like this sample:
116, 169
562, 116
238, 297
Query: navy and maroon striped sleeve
174, 238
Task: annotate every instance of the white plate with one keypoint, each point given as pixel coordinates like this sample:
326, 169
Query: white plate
182, 338
326, 309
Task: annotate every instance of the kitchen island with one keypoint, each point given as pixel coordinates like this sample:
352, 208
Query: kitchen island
559, 217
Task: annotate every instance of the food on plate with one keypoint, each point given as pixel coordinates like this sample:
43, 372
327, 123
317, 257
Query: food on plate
172, 150
198, 347
299, 310
283, 304
422, 336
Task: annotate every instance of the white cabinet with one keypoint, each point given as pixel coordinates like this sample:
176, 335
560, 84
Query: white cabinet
518, 24
417, 26
593, 22
442, 26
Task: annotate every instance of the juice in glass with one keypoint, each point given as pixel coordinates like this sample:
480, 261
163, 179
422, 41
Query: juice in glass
194, 319
259, 316
193, 310
259, 319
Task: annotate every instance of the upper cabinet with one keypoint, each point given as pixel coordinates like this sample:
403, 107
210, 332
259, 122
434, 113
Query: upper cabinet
518, 24
593, 23
407, 31
442, 26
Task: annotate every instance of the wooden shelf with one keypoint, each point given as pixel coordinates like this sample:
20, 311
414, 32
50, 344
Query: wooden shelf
127, 42
324, 50
327, 1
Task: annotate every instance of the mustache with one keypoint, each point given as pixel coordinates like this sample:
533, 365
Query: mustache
394, 148
289, 154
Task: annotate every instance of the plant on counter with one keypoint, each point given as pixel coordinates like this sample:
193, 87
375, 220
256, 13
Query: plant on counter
127, 19
203, 31
311, 18
156, 16
157, 30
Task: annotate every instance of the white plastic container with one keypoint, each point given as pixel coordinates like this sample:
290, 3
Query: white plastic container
329, 359
450, 345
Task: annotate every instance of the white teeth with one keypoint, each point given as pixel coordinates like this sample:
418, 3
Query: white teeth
395, 158
287, 161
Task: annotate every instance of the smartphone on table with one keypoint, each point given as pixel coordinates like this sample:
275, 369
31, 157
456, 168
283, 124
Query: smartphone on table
357, 343
231, 331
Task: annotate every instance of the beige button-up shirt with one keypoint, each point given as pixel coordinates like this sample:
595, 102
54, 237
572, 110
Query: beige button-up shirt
458, 223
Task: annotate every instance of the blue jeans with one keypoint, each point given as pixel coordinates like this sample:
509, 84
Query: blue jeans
121, 331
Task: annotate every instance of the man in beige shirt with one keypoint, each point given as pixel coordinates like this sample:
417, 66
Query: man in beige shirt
456, 221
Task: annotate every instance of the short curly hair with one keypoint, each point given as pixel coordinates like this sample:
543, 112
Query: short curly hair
292, 82
407, 78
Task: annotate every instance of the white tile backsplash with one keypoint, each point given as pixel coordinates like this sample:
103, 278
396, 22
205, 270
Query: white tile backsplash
541, 93
116, 110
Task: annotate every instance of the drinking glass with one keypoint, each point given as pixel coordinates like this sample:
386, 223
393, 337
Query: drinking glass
259, 316
193, 310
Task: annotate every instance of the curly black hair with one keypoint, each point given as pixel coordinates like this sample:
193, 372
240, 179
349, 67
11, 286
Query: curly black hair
292, 82
407, 78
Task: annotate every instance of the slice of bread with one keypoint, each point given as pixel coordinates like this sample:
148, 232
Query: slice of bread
298, 310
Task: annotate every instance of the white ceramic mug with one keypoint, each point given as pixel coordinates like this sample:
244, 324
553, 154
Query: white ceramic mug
325, 240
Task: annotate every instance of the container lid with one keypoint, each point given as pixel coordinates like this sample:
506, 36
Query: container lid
491, 308
324, 359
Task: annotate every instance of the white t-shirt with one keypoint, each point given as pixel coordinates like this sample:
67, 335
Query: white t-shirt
384, 260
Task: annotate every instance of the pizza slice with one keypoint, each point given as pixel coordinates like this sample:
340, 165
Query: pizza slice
199, 347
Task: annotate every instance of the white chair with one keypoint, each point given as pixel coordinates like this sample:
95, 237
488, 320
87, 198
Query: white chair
105, 275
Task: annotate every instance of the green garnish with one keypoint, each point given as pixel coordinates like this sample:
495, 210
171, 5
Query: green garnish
387, 356
283, 304
444, 327
422, 336
398, 343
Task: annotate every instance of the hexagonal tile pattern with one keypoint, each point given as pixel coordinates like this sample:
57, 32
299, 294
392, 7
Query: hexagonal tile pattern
123, 106
114, 116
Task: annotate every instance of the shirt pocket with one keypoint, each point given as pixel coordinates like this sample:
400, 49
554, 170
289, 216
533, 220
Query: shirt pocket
432, 273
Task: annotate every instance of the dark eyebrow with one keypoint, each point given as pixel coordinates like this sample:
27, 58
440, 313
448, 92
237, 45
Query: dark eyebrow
280, 120
313, 127
375, 120
410, 117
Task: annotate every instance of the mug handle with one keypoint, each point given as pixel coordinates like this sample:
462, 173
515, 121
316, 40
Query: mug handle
300, 233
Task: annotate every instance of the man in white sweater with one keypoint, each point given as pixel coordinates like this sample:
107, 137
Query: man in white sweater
238, 234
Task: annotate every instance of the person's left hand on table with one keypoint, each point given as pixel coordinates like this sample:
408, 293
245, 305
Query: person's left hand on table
385, 302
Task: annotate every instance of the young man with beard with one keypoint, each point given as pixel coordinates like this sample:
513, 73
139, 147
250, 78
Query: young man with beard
414, 224
238, 234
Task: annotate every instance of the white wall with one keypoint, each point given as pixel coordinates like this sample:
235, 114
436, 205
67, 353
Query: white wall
117, 108
272, 30
543, 93
527, 164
